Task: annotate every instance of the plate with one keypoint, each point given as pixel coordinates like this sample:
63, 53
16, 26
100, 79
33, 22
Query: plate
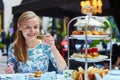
90, 36
97, 59
92, 22
34, 78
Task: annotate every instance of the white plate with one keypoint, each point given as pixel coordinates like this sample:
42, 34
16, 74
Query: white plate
89, 36
34, 78
92, 22
98, 59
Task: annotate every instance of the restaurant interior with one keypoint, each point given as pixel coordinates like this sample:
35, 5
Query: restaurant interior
56, 15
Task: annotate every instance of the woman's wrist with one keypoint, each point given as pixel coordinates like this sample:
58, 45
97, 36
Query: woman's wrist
53, 46
54, 49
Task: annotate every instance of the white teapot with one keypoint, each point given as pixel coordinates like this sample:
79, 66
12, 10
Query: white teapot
112, 75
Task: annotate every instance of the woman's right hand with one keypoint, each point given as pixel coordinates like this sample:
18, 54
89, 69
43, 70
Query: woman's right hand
9, 69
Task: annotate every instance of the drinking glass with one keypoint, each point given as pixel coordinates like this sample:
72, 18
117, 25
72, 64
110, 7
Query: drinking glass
41, 36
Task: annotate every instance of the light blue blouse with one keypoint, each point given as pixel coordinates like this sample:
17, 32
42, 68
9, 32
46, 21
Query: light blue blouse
38, 59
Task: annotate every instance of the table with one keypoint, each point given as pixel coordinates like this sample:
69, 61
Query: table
25, 76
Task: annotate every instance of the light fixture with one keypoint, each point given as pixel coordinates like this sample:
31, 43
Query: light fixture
96, 4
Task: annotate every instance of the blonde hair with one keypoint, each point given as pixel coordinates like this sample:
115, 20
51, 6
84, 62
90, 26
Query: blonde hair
20, 47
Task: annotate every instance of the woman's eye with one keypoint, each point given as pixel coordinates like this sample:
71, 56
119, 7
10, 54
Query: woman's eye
27, 27
36, 27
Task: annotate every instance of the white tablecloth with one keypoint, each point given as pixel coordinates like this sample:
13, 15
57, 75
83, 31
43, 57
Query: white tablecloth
21, 76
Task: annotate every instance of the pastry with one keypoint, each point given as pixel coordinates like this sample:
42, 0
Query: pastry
75, 32
89, 33
101, 33
94, 32
38, 73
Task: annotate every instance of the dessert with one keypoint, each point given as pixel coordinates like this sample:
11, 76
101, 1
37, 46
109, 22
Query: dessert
75, 32
38, 73
93, 52
93, 32
91, 73
89, 33
101, 33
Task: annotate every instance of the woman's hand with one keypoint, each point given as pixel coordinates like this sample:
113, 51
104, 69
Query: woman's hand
61, 64
49, 39
9, 69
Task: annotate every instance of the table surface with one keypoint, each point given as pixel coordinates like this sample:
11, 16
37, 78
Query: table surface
21, 76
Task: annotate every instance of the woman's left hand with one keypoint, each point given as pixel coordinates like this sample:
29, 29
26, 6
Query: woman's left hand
49, 39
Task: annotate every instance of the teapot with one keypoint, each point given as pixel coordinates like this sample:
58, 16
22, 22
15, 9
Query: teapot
112, 75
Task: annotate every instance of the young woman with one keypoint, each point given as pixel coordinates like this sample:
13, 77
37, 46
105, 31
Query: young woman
26, 54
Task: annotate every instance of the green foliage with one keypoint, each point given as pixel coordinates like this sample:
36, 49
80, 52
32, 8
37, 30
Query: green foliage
106, 24
94, 43
58, 25
1, 45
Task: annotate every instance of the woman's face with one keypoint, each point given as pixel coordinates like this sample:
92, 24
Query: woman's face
30, 28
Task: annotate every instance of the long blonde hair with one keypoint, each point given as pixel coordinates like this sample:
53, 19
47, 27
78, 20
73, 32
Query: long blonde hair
20, 47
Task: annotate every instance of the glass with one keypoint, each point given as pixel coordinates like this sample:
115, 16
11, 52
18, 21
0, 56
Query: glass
41, 36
